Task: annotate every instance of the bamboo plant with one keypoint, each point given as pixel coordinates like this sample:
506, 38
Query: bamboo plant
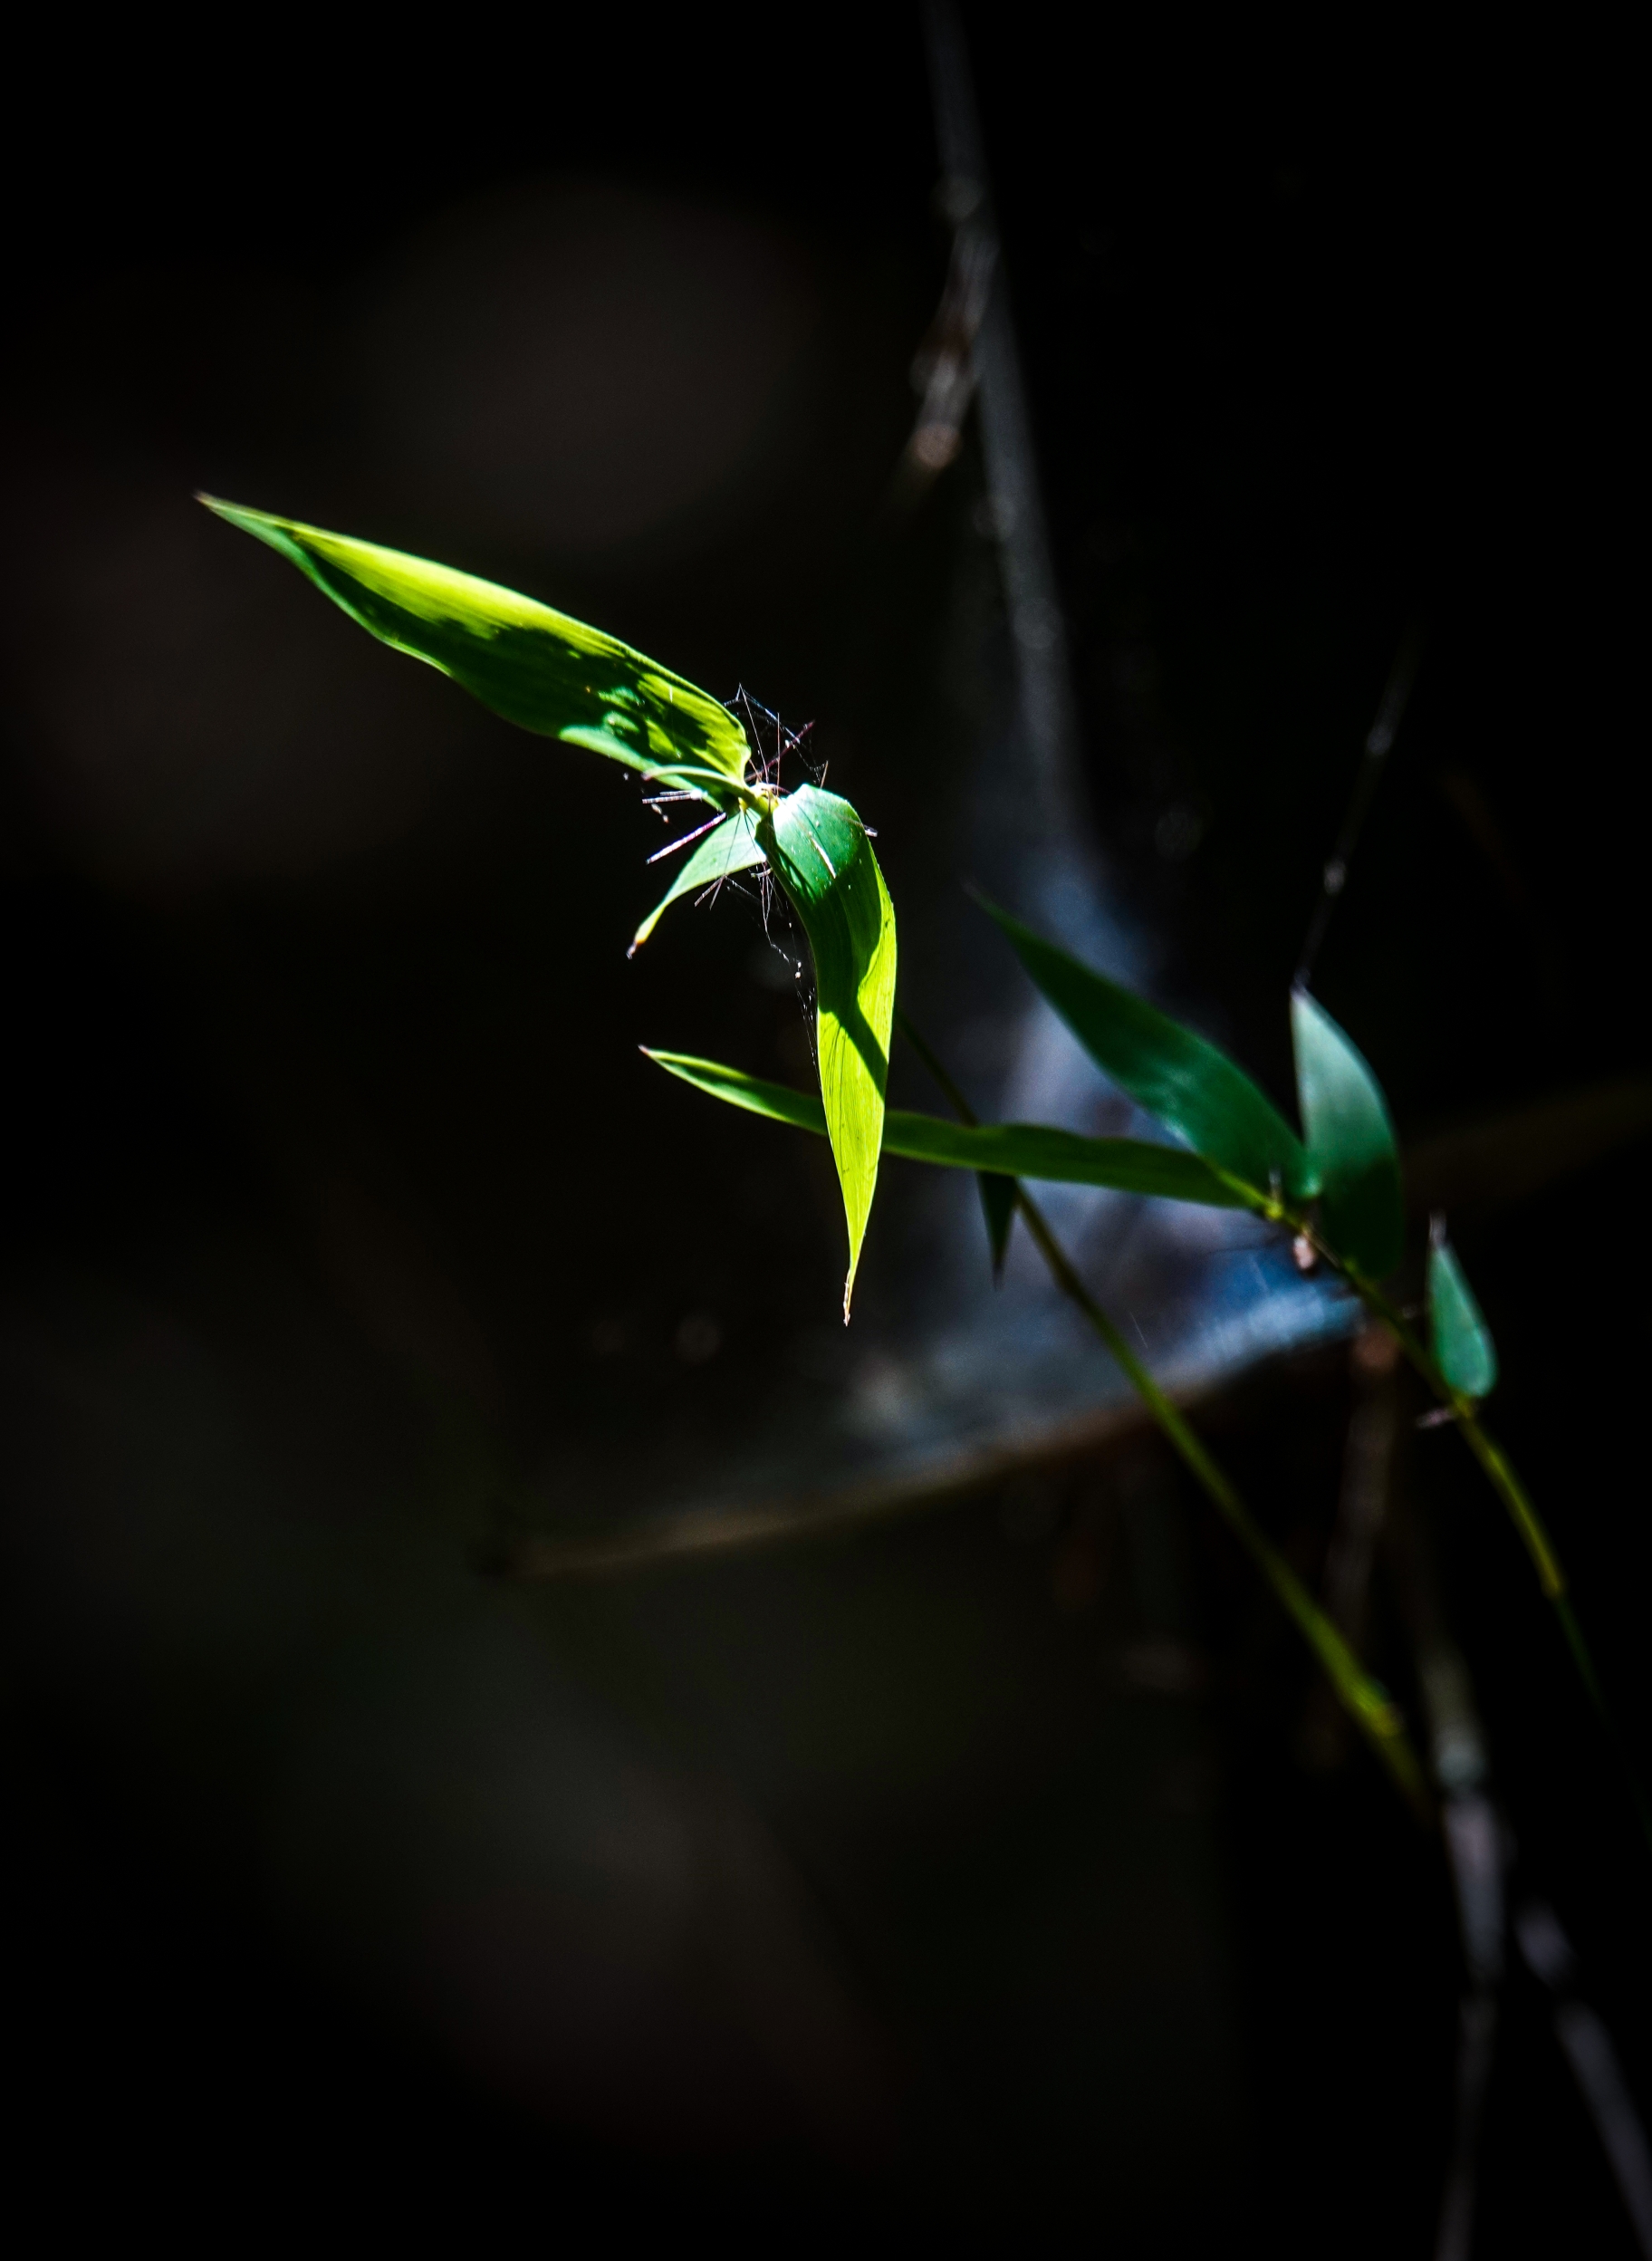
1336, 1188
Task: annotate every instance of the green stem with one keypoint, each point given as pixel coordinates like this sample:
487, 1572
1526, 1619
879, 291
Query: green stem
1518, 1501
1372, 1709
723, 787
1523, 1512
1489, 1454
949, 1091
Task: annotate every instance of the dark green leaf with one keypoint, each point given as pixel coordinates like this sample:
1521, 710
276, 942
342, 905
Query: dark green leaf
1463, 1347
1351, 1144
730, 846
1191, 1086
998, 1207
530, 664
1028, 1150
1001, 1149
818, 851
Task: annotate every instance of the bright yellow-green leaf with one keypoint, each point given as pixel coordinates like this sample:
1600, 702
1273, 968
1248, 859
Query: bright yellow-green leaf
730, 846
532, 665
819, 852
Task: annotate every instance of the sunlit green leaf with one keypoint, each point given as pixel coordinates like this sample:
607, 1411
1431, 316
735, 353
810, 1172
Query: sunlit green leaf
534, 666
1462, 1341
1350, 1142
1193, 1088
819, 852
1001, 1149
777, 1102
998, 1206
729, 847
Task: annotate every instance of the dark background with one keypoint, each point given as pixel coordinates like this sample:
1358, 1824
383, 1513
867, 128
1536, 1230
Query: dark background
1306, 366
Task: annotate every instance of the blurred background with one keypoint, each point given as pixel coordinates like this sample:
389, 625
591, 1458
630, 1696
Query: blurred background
974, 1853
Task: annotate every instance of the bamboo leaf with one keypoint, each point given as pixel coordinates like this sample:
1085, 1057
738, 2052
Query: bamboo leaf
998, 1206
778, 1102
532, 665
1351, 1144
1192, 1087
819, 852
729, 847
1000, 1149
1024, 1149
1462, 1341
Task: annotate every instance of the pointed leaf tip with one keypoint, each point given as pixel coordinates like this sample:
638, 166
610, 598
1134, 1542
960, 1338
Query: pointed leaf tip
998, 1195
1351, 1146
728, 847
1462, 1342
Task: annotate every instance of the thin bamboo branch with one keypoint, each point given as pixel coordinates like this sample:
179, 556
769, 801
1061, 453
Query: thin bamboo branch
1372, 1710
1505, 1482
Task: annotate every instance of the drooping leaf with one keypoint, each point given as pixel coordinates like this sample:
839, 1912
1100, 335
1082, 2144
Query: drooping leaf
1000, 1149
532, 665
1462, 1341
818, 851
1192, 1087
1351, 1144
998, 1206
728, 847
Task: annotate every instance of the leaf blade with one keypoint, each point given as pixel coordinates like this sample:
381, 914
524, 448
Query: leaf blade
1351, 1139
1187, 1082
729, 847
1000, 1149
822, 854
1461, 1341
536, 667
1054, 1157
776, 1102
